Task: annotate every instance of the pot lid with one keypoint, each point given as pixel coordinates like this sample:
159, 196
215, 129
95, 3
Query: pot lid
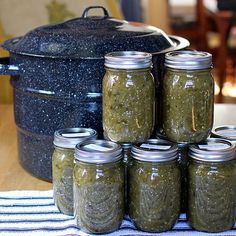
90, 37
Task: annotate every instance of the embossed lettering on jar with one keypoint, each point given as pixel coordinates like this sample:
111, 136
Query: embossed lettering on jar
63, 164
128, 97
98, 186
154, 186
211, 185
188, 97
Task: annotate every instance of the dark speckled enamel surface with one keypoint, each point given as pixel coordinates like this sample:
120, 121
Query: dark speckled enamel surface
90, 37
51, 94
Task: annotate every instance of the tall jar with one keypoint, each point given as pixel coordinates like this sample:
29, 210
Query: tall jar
128, 97
154, 186
63, 164
212, 185
98, 186
187, 97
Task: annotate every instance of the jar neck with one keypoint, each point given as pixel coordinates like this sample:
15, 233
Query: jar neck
128, 70
63, 149
207, 70
149, 163
208, 163
98, 165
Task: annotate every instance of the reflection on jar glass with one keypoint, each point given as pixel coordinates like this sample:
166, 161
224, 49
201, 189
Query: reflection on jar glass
154, 186
98, 186
128, 97
187, 97
211, 185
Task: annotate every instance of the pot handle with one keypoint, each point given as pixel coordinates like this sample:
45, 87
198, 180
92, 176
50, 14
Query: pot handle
86, 11
6, 68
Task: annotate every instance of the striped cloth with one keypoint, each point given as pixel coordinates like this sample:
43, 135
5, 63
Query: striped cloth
34, 213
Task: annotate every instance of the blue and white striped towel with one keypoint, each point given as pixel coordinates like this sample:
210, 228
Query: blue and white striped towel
33, 213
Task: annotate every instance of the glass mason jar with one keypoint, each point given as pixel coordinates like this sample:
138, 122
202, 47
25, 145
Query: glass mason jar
225, 132
154, 186
98, 186
212, 185
63, 163
128, 97
188, 96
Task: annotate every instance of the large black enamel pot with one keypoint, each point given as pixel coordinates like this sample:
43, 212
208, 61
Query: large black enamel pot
57, 75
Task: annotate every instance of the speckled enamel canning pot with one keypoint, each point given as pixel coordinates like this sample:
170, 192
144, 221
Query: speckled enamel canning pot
57, 75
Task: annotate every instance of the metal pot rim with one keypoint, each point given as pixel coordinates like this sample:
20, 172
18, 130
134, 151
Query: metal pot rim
180, 43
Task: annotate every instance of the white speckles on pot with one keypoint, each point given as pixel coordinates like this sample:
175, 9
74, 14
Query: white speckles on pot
51, 95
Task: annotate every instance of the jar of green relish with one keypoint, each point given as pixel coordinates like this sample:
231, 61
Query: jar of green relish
98, 186
212, 185
128, 97
154, 186
63, 164
187, 97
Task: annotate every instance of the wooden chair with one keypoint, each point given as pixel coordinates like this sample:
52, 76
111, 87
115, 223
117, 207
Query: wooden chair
222, 22
210, 20
194, 31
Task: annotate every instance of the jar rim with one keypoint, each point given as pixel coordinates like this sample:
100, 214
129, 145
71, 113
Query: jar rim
188, 60
213, 150
155, 150
69, 137
98, 151
128, 60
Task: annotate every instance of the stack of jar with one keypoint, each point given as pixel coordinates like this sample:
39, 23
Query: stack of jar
185, 117
151, 173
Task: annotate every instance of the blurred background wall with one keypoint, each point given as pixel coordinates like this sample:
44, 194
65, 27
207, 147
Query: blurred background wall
178, 17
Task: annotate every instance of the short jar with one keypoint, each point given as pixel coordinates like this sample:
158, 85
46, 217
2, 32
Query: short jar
128, 97
98, 186
154, 186
212, 185
63, 163
187, 96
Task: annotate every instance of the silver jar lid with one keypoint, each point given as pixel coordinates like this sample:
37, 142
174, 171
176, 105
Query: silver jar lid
213, 150
187, 59
69, 137
98, 151
128, 60
226, 132
155, 150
